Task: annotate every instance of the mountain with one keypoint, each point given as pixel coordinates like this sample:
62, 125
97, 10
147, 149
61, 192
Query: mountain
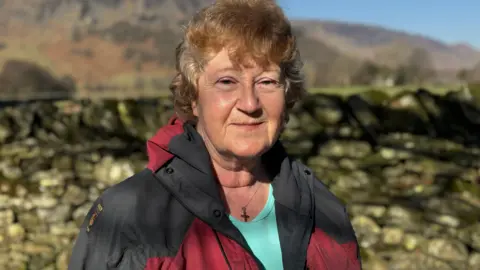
388, 46
124, 43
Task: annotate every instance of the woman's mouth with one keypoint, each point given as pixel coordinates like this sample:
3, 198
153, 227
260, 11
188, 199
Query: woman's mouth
248, 126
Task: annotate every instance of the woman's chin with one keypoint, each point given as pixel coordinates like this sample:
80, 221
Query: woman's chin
250, 151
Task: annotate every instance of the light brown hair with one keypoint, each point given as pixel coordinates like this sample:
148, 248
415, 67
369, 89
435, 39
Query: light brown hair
253, 29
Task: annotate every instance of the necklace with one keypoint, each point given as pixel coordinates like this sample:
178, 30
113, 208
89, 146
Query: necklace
244, 215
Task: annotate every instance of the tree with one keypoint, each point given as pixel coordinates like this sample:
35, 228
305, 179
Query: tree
419, 67
366, 74
462, 74
401, 76
85, 10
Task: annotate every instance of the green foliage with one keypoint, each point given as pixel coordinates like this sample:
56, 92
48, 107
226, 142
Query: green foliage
475, 91
474, 87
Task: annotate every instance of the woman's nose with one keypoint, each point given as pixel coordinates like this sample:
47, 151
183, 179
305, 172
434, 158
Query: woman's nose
249, 101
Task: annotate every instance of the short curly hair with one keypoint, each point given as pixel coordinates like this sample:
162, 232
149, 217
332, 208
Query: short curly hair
257, 29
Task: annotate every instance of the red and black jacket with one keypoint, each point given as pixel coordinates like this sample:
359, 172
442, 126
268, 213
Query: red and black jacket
170, 216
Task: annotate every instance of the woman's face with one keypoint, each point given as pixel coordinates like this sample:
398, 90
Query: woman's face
240, 110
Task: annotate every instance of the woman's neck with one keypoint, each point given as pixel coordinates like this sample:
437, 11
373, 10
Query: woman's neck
236, 175
243, 184
245, 189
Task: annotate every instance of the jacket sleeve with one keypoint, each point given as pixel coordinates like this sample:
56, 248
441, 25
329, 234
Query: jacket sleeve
100, 244
333, 219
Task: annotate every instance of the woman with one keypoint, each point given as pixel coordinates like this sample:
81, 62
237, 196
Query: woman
220, 192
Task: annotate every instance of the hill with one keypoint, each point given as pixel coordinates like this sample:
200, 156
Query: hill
109, 44
388, 46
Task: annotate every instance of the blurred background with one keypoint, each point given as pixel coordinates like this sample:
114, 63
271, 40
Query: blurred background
390, 125
113, 47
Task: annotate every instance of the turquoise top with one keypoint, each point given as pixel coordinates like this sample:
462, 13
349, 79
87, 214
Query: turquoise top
261, 235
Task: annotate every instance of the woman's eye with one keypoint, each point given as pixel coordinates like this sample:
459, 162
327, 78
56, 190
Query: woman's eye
269, 83
226, 84
226, 81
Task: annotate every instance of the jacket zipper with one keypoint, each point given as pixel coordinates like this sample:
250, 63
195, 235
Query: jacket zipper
223, 250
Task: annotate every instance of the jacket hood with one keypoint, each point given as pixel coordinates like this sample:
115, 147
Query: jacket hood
157, 147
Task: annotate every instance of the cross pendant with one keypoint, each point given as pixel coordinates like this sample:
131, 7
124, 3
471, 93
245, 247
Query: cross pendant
244, 214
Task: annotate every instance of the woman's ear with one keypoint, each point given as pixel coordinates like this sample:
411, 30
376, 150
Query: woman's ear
194, 108
286, 118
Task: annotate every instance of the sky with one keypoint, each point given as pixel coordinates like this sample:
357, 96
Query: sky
448, 21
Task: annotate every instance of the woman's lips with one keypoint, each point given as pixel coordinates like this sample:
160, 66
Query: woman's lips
248, 126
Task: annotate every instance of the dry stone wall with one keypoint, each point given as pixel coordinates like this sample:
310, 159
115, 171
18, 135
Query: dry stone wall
407, 167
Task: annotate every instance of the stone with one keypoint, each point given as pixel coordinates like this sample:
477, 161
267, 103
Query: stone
449, 250
58, 214
417, 261
6, 217
474, 261
367, 231
16, 232
31, 248
62, 260
109, 172
412, 241
405, 218
4, 201
470, 235
75, 195
68, 229
392, 236
44, 201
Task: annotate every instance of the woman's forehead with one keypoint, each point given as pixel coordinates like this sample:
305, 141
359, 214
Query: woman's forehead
223, 61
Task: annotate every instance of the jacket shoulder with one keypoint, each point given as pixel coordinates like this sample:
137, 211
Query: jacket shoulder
331, 215
125, 196
120, 216
141, 202
130, 190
